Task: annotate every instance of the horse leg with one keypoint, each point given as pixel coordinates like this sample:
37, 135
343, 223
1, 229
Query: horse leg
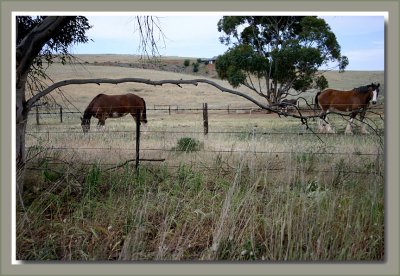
323, 124
363, 125
348, 127
326, 126
101, 125
329, 128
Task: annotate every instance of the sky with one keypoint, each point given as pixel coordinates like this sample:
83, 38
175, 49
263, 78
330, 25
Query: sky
361, 37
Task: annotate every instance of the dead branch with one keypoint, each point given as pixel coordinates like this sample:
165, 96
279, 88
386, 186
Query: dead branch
271, 108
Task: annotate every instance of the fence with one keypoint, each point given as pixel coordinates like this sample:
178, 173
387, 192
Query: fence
205, 109
135, 148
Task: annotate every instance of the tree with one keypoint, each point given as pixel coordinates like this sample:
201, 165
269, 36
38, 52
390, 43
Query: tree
344, 61
42, 39
39, 41
321, 83
272, 54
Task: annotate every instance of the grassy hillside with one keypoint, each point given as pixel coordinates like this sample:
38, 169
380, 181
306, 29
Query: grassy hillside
257, 187
109, 66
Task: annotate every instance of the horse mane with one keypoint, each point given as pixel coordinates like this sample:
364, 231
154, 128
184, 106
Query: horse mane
362, 89
87, 114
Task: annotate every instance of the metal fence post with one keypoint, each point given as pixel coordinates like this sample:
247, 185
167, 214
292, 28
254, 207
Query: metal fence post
205, 118
137, 138
37, 116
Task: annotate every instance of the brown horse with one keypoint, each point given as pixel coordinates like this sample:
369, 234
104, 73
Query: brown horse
113, 106
355, 100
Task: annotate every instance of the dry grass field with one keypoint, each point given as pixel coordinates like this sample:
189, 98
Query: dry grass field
257, 187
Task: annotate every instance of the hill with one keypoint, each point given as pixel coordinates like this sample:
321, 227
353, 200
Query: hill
117, 66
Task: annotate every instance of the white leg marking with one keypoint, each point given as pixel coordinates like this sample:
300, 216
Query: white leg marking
364, 129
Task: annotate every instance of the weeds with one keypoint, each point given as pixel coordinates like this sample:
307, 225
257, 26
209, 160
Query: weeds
188, 144
159, 213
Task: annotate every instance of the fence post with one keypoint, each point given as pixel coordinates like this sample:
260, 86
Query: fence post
228, 108
169, 110
37, 116
137, 138
205, 118
61, 118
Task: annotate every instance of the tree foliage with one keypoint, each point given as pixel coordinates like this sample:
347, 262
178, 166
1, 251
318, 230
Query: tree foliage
71, 31
39, 41
273, 54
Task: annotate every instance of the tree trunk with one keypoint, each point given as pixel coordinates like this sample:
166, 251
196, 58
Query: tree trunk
20, 128
20, 142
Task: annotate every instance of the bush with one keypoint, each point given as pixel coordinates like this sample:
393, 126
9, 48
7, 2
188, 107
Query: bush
188, 144
186, 62
195, 67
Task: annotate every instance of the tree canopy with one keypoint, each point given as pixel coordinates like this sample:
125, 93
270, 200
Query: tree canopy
36, 49
273, 54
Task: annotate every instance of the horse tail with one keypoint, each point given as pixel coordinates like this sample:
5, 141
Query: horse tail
144, 112
316, 100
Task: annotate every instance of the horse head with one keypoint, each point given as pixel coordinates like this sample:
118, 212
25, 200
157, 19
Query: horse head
375, 92
85, 124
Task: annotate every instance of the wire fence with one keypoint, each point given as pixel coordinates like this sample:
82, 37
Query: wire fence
187, 110
169, 152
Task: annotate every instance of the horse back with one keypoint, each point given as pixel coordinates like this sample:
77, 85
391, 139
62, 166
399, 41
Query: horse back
342, 100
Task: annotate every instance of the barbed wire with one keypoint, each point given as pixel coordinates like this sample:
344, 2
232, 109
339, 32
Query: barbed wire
198, 109
206, 151
256, 133
229, 110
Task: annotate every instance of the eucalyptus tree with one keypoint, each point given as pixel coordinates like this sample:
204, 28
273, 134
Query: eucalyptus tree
271, 55
39, 41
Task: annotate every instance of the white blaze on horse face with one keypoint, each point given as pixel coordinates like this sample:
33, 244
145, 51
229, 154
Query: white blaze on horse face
374, 96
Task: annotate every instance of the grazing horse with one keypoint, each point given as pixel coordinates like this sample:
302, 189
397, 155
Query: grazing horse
113, 106
285, 103
355, 100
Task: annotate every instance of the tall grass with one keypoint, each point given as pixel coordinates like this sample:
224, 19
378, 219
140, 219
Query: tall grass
242, 194
238, 210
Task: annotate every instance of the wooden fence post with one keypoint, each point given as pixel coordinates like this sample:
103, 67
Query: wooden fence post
205, 118
61, 115
169, 110
137, 138
37, 116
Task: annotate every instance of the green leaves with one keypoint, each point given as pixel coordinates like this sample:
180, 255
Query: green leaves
285, 50
72, 32
238, 61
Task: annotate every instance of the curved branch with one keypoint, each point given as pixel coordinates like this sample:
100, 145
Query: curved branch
98, 81
271, 108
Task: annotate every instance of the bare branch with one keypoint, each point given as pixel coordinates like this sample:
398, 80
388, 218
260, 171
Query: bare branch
271, 108
151, 35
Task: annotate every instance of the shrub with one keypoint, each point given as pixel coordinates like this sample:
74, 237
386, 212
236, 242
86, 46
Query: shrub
195, 67
188, 144
186, 62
